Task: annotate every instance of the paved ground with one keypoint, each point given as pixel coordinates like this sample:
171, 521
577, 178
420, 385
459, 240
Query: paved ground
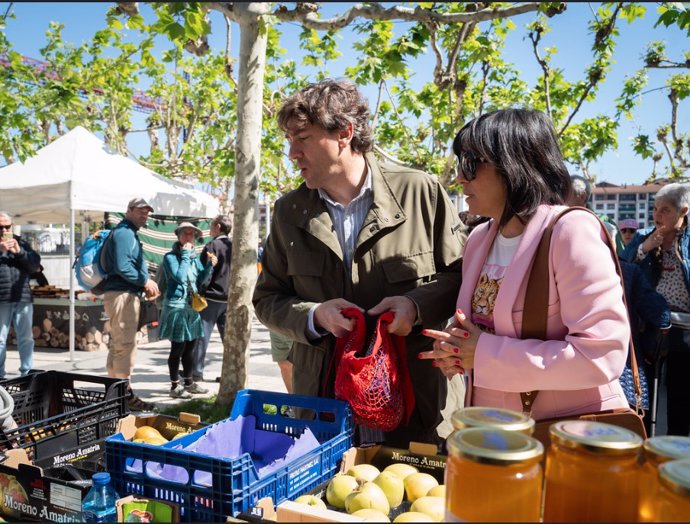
151, 379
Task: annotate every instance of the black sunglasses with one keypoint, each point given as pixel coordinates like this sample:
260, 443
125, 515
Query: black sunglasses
628, 230
7, 227
467, 165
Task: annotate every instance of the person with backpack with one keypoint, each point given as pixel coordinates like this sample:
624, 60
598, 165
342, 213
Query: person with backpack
216, 292
180, 322
127, 278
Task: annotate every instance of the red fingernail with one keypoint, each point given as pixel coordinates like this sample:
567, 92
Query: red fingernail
424, 332
456, 350
460, 311
466, 335
420, 355
434, 363
458, 362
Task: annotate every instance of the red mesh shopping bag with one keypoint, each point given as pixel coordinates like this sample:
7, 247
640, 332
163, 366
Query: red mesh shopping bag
372, 374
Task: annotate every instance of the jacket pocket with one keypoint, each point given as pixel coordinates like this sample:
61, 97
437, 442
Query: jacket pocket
305, 264
410, 267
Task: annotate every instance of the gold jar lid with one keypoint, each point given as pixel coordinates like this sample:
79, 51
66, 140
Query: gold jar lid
667, 447
675, 475
494, 446
595, 437
486, 417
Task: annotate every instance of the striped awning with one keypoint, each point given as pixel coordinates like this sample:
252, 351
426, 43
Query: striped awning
158, 236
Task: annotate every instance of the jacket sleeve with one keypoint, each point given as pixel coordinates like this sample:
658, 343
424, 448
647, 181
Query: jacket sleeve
436, 300
124, 246
592, 349
649, 305
27, 258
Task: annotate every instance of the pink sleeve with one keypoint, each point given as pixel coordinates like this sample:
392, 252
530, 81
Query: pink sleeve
587, 317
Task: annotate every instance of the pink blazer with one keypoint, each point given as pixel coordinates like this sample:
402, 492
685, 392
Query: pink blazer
577, 369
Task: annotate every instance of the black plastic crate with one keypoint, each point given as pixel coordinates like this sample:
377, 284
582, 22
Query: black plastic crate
58, 411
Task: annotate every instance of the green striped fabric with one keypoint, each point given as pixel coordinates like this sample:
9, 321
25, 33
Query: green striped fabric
158, 236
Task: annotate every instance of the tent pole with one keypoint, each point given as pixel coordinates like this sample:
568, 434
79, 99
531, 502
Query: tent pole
71, 279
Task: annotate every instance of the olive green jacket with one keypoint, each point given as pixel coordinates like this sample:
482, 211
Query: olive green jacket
410, 244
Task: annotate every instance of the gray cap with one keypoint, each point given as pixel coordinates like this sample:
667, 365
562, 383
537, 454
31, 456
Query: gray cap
184, 225
139, 202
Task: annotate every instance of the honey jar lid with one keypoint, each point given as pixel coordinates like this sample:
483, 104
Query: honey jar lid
675, 475
595, 437
666, 447
494, 446
486, 417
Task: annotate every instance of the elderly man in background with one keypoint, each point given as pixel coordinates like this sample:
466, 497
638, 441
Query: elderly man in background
17, 262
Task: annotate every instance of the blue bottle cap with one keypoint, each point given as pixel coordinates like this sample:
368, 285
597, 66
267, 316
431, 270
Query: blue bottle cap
101, 478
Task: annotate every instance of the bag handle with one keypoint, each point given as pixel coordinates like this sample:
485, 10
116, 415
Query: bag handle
534, 320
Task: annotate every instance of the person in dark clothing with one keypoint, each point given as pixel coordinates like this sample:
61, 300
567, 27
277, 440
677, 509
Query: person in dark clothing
216, 291
17, 262
650, 317
39, 277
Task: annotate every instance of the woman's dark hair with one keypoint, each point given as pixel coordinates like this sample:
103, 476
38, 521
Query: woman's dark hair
523, 146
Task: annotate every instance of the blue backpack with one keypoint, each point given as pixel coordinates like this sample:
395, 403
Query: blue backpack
88, 266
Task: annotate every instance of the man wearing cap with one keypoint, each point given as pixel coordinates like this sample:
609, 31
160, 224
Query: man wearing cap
627, 227
128, 277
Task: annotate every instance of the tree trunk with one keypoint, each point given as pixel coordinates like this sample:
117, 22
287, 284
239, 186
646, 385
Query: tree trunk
245, 233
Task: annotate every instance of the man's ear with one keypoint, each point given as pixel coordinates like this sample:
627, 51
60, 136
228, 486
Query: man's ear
345, 135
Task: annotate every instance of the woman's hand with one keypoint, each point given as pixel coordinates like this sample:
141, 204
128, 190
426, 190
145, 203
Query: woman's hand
454, 348
213, 259
654, 240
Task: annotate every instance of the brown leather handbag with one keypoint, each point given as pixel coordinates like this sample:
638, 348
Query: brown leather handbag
534, 326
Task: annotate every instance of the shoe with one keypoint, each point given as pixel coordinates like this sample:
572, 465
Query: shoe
195, 389
136, 404
180, 391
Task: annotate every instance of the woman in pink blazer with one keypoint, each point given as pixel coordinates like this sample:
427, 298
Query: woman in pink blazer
512, 171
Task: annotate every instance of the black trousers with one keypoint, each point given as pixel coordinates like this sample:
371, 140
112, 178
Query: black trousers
678, 382
181, 351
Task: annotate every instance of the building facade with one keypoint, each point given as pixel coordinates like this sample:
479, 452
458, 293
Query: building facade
627, 201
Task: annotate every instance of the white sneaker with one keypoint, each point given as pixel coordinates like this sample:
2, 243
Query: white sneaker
180, 392
196, 389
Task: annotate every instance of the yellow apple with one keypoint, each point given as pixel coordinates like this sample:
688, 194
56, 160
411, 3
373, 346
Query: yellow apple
311, 500
437, 491
339, 488
371, 515
412, 516
364, 472
392, 486
435, 507
418, 485
368, 496
401, 470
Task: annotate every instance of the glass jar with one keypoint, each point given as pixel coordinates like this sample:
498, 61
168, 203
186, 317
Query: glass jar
592, 473
484, 462
673, 499
485, 417
656, 451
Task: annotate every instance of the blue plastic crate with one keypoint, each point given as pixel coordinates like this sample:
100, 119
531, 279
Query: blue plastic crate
235, 485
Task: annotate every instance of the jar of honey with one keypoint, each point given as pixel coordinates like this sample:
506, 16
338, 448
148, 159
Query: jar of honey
673, 499
592, 473
656, 451
493, 475
486, 417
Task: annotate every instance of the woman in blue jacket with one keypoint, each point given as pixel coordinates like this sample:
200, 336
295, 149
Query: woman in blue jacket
663, 253
180, 323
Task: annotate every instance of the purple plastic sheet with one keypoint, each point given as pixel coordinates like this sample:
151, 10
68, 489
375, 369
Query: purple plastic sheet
269, 450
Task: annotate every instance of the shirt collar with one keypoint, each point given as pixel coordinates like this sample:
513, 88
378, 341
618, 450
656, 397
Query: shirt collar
366, 187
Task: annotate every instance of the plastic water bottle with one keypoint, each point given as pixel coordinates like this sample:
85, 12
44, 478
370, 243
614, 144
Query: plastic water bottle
99, 503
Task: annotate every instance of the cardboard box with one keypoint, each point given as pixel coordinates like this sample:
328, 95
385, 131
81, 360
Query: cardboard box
166, 425
146, 510
290, 511
27, 494
422, 456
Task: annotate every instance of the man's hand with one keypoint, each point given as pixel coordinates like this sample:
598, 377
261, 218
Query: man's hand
328, 315
151, 289
10, 245
213, 259
404, 309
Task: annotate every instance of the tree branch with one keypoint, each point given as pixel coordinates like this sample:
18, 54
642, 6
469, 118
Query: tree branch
535, 37
375, 11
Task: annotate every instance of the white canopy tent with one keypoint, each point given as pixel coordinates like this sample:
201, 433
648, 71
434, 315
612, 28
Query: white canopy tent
78, 177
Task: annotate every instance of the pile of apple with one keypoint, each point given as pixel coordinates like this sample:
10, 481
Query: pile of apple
366, 492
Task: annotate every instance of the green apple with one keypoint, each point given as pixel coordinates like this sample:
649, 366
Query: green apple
369, 495
418, 485
435, 507
364, 472
393, 486
412, 516
311, 500
371, 515
437, 491
339, 488
401, 470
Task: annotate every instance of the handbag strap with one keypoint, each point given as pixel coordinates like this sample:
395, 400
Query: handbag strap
535, 315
